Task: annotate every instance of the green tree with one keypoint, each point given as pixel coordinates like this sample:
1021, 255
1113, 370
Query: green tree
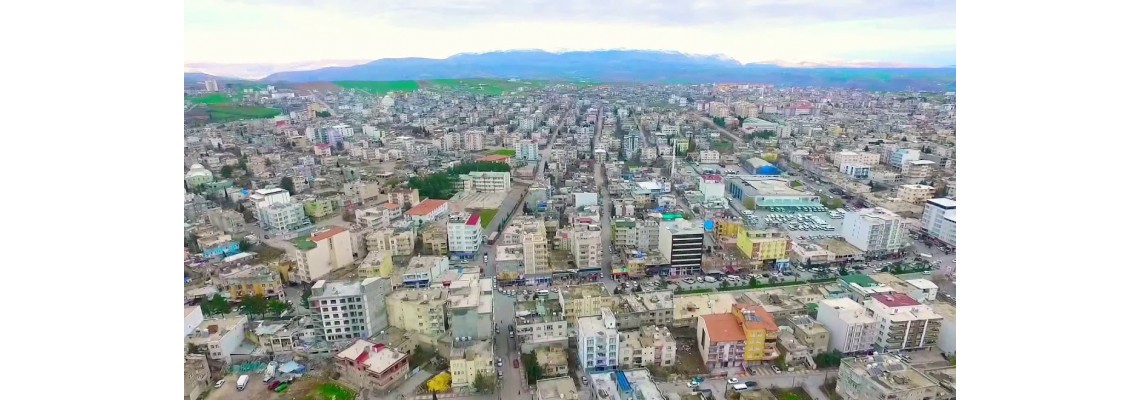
483, 384
287, 184
227, 171
829, 359
752, 282
795, 184
719, 121
323, 114
533, 370
216, 305
254, 305
276, 307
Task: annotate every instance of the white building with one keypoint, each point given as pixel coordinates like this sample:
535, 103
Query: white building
473, 140
423, 270
873, 230
349, 310
857, 171
276, 211
939, 219
709, 157
903, 323
840, 158
486, 181
464, 234
527, 150
852, 328
598, 342
650, 345
192, 318
322, 252
219, 336
712, 187
758, 125
886, 376
586, 246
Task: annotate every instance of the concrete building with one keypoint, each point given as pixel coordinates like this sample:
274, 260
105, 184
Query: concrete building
464, 235
191, 319
811, 333
196, 376
486, 181
584, 301
535, 247
720, 341
324, 251
219, 336
940, 220
915, 194
347, 310
434, 238
636, 310
624, 385
419, 311
251, 280
885, 376
586, 246
856, 171
560, 388
682, 243
553, 361
708, 157
372, 366
948, 338
427, 210
377, 264
873, 230
765, 245
712, 187
198, 175
469, 307
903, 322
276, 211
650, 345
470, 361
845, 157
853, 330
860, 287
760, 333
398, 241
598, 342
540, 323
422, 271
756, 191
900, 157
527, 150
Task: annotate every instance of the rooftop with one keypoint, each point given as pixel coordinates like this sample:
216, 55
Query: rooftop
373, 356
756, 317
944, 203
889, 373
723, 328
327, 233
626, 385
584, 291
426, 207
561, 388
538, 311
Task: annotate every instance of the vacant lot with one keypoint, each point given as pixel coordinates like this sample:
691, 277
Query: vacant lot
378, 88
213, 98
486, 216
504, 152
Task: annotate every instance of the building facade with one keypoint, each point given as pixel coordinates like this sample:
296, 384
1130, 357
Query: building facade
372, 365
322, 252
873, 230
852, 329
903, 323
598, 342
464, 235
349, 310
940, 220
682, 242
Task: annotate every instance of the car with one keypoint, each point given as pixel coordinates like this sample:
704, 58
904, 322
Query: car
499, 362
515, 363
751, 384
585, 380
274, 384
219, 384
500, 373
694, 385
733, 380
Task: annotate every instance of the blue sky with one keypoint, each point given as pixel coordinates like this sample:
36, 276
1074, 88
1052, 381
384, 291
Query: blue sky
919, 32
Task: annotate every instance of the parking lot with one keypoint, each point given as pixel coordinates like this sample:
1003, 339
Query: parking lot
254, 390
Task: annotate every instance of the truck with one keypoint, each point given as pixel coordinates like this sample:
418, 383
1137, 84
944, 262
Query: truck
272, 368
242, 380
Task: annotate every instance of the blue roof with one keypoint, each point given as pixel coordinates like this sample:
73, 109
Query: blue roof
623, 382
768, 170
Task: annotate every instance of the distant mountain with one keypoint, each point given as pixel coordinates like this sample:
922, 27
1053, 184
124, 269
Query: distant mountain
628, 66
258, 71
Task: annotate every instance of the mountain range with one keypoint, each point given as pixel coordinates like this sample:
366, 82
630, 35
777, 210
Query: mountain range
634, 66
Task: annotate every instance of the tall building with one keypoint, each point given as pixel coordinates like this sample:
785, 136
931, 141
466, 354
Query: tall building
211, 85
535, 246
464, 234
276, 210
904, 323
900, 157
347, 310
940, 219
682, 242
598, 342
760, 333
630, 145
486, 181
852, 328
720, 341
527, 150
468, 362
873, 230
322, 252
469, 307
586, 246
418, 311
766, 245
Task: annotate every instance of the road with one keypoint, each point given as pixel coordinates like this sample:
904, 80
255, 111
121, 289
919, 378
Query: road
811, 380
710, 122
603, 198
513, 382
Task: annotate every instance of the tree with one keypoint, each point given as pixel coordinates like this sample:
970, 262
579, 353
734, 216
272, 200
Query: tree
719, 121
753, 282
953, 359
244, 245
227, 171
829, 359
323, 114
216, 305
254, 305
305, 294
724, 284
795, 184
533, 370
483, 384
287, 184
277, 307
440, 383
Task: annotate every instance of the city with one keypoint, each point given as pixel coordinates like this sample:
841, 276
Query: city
481, 238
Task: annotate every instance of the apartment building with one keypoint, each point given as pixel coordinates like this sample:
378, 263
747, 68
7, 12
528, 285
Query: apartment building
886, 376
469, 307
468, 362
347, 310
427, 210
464, 235
372, 366
377, 264
586, 246
527, 150
598, 342
418, 311
853, 330
377, 217
708, 157
712, 187
873, 230
900, 157
422, 271
856, 171
585, 300
361, 192
191, 318
765, 245
649, 345
530, 233
811, 333
276, 210
914, 171
219, 336
322, 252
682, 242
760, 333
846, 157
486, 181
196, 376
398, 241
473, 140
914, 194
903, 323
940, 220
540, 323
251, 280
636, 310
434, 238
720, 341
861, 287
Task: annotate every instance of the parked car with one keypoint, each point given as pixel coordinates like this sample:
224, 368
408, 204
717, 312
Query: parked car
733, 380
219, 384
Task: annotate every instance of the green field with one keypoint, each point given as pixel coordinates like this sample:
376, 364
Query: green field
489, 87
379, 88
504, 152
227, 113
213, 98
485, 216
330, 391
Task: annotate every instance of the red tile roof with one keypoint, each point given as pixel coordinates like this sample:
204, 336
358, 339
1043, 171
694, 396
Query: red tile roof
713, 177
895, 300
426, 207
325, 234
756, 317
473, 219
723, 328
495, 158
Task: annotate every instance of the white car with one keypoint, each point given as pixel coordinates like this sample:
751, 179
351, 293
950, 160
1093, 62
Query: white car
733, 380
219, 384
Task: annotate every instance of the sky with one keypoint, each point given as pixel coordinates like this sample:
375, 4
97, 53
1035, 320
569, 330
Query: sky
913, 32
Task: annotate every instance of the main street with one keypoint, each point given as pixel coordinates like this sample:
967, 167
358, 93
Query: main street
606, 260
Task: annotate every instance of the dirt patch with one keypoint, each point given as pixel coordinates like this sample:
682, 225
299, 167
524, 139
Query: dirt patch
304, 89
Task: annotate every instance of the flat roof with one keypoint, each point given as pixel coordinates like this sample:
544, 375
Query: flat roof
561, 388
922, 283
895, 300
373, 356
943, 203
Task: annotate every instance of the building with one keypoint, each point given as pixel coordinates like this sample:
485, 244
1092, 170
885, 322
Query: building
553, 361
470, 361
598, 342
529, 235
540, 323
377, 217
486, 181
636, 310
219, 337
873, 230
755, 191
324, 251
427, 210
252, 280
469, 306
583, 301
191, 319
495, 158
901, 157
373, 366
347, 310
624, 385
760, 333
630, 145
527, 150
765, 245
464, 235
811, 333
682, 243
841, 158
708, 157
940, 219
276, 211
915, 194
712, 187
418, 311
198, 175
904, 323
196, 376
422, 271
853, 330
886, 376
586, 246
758, 125
434, 238
720, 341
211, 85
947, 339
560, 388
650, 345
856, 171
397, 241
377, 264
861, 287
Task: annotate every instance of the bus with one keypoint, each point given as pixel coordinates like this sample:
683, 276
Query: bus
491, 239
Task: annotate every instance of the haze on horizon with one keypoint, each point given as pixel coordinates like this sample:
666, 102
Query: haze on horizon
910, 32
